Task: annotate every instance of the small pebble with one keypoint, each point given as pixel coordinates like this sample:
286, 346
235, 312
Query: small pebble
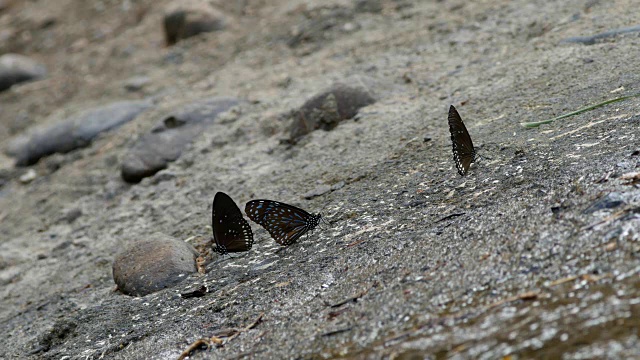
28, 176
136, 83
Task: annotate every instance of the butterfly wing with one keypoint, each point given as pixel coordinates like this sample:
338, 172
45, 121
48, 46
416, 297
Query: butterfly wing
463, 152
285, 223
231, 232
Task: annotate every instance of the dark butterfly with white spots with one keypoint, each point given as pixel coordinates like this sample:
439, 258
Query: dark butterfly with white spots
285, 223
463, 152
231, 232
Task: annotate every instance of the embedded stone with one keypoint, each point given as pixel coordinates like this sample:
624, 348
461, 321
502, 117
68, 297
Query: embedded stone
149, 265
189, 18
166, 141
16, 68
75, 132
324, 111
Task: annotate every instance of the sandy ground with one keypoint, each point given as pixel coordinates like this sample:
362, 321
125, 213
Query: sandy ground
512, 259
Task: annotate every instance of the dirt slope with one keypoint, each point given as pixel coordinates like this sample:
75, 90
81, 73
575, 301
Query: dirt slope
515, 258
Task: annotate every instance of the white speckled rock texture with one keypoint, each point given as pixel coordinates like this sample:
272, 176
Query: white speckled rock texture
529, 255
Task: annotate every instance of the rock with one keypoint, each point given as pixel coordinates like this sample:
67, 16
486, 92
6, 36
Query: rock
324, 111
16, 68
75, 132
590, 40
28, 177
609, 201
153, 264
164, 144
136, 83
185, 19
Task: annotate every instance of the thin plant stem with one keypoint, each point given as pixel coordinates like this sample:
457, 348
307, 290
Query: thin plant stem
531, 125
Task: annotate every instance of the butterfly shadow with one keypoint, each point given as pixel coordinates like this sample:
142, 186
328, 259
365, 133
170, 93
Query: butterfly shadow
284, 248
228, 256
323, 221
479, 156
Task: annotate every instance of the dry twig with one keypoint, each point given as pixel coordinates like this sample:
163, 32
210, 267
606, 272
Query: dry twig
608, 219
588, 277
355, 243
529, 295
230, 334
353, 298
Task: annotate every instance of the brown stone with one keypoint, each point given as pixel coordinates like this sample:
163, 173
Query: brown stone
185, 19
150, 265
325, 110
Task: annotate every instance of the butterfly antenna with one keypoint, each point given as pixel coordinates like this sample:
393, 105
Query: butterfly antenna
322, 218
326, 222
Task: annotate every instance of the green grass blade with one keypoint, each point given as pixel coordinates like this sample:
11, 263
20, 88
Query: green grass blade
531, 125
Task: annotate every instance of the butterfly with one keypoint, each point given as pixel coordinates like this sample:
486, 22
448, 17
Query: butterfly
231, 232
463, 152
285, 223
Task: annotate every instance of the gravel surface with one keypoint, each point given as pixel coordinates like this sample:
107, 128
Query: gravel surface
535, 253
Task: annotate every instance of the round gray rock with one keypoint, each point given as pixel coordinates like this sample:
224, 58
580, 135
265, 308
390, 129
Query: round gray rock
189, 18
153, 264
16, 68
